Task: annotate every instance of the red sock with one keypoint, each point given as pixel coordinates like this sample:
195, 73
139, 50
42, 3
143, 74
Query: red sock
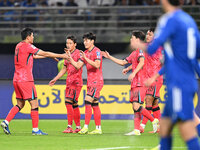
70, 113
35, 117
88, 113
12, 113
156, 112
145, 119
77, 116
146, 114
137, 119
97, 115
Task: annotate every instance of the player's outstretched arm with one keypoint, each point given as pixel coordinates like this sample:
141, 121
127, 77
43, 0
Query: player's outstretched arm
41, 57
95, 64
124, 71
51, 55
59, 75
38, 57
116, 60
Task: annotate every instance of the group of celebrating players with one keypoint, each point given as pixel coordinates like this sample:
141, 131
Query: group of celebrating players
176, 31
74, 60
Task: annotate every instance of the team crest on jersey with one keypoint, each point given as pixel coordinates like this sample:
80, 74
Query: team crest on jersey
33, 46
98, 55
141, 53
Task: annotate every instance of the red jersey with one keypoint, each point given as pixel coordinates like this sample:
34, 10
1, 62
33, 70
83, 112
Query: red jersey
141, 76
24, 62
153, 64
74, 76
94, 75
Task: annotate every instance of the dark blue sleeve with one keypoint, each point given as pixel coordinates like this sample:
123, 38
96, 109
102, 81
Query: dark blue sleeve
162, 71
165, 29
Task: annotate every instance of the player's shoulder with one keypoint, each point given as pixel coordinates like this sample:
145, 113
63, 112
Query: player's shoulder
96, 49
77, 51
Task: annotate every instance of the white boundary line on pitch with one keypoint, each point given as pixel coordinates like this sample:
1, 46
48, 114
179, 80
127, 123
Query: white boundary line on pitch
125, 147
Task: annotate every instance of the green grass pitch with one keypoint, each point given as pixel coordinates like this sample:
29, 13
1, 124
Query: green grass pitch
112, 138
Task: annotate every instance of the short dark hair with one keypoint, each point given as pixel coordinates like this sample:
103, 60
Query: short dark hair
26, 32
139, 34
151, 29
89, 35
73, 38
174, 2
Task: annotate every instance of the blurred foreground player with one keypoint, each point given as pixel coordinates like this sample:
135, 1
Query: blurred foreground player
177, 32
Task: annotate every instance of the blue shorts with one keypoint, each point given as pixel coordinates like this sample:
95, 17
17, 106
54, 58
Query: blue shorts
179, 104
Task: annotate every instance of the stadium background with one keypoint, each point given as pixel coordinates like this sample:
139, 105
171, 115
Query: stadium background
112, 21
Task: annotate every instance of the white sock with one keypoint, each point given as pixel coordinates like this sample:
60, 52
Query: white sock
35, 129
142, 125
98, 127
78, 127
6, 122
85, 126
69, 126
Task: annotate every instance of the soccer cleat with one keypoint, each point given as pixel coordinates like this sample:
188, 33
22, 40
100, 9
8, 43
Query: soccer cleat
76, 130
155, 125
5, 127
68, 130
39, 132
134, 132
141, 129
96, 131
158, 130
83, 131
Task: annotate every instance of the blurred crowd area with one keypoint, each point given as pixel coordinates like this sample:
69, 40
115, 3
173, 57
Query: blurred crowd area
84, 3
108, 19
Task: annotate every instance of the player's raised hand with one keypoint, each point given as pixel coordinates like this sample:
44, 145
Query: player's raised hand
82, 54
124, 71
56, 59
52, 82
105, 54
131, 76
68, 54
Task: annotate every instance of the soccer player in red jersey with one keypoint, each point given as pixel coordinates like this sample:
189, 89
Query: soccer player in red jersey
152, 93
137, 78
74, 84
23, 80
92, 58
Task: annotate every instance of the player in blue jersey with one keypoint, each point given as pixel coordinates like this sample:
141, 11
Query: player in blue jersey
177, 32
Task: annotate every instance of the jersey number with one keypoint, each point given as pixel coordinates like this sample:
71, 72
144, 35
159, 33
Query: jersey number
191, 46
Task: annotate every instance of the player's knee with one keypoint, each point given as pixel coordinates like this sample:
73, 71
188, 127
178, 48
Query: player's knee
148, 100
155, 102
138, 109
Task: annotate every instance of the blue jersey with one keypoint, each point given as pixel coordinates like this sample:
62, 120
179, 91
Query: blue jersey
177, 32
